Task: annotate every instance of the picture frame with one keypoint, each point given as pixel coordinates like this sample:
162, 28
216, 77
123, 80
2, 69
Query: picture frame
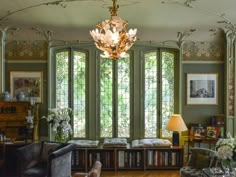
213, 132
202, 88
28, 82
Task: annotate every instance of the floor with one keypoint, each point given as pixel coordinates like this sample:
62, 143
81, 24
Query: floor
151, 173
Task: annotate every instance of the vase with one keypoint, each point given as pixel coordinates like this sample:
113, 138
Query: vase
226, 165
59, 136
20, 96
6, 96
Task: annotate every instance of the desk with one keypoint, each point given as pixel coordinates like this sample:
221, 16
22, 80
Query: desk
10, 163
210, 141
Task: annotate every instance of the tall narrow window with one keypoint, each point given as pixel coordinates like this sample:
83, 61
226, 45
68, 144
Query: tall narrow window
62, 79
106, 97
158, 96
71, 86
115, 98
123, 97
79, 86
167, 80
151, 88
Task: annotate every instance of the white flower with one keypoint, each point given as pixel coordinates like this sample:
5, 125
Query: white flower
224, 152
225, 148
59, 118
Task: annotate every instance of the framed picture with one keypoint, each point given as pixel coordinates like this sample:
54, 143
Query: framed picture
202, 89
213, 132
28, 82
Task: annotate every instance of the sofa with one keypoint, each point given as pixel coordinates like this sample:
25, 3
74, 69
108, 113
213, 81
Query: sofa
45, 159
200, 158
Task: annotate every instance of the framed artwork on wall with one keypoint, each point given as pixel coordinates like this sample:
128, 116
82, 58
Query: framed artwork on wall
28, 82
202, 88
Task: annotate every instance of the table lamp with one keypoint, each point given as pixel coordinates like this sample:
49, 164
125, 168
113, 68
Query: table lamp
176, 124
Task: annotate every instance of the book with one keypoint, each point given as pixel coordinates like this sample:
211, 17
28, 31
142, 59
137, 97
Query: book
121, 160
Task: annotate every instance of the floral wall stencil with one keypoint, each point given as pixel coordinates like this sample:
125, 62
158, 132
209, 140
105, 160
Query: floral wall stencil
203, 51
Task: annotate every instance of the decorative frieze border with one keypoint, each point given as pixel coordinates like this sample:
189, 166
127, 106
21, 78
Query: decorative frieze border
203, 51
27, 50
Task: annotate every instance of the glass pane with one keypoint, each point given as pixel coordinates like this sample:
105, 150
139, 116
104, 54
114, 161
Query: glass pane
167, 90
62, 80
123, 97
150, 91
106, 97
79, 94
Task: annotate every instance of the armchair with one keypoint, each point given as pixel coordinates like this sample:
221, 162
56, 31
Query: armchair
200, 158
45, 159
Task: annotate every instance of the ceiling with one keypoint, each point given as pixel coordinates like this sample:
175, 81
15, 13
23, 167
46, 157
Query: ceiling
156, 20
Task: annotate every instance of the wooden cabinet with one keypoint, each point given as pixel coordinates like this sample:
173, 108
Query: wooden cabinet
13, 120
128, 158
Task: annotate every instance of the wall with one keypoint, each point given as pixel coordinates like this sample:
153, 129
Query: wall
197, 57
203, 57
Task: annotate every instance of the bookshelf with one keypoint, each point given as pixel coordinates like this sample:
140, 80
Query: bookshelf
116, 159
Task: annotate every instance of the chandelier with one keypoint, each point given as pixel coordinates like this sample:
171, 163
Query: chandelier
111, 36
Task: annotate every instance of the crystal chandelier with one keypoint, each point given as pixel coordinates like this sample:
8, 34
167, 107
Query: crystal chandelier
111, 36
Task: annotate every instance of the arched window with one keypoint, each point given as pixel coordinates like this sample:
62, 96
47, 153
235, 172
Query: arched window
131, 97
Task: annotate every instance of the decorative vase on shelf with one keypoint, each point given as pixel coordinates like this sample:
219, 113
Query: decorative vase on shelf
20, 96
6, 96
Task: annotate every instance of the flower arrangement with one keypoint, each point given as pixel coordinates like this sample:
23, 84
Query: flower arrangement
59, 118
226, 149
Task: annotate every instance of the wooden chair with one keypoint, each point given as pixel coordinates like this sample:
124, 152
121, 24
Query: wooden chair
94, 172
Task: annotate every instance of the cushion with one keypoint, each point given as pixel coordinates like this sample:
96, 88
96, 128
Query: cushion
47, 148
154, 142
38, 170
115, 142
85, 143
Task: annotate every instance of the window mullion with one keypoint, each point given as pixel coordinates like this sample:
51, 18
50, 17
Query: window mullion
115, 99
71, 76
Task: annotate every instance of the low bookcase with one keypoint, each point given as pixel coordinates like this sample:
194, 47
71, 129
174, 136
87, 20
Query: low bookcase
128, 158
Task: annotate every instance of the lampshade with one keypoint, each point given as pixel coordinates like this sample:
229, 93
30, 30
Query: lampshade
111, 36
176, 123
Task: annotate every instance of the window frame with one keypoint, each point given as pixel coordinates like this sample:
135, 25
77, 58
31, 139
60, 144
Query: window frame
136, 87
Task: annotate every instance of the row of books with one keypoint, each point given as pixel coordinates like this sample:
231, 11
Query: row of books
157, 158
138, 158
105, 157
131, 159
78, 159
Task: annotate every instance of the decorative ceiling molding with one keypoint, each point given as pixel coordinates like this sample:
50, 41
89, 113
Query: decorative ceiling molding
229, 26
46, 34
61, 3
8, 30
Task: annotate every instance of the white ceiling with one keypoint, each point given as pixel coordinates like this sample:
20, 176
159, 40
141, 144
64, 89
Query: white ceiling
155, 19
